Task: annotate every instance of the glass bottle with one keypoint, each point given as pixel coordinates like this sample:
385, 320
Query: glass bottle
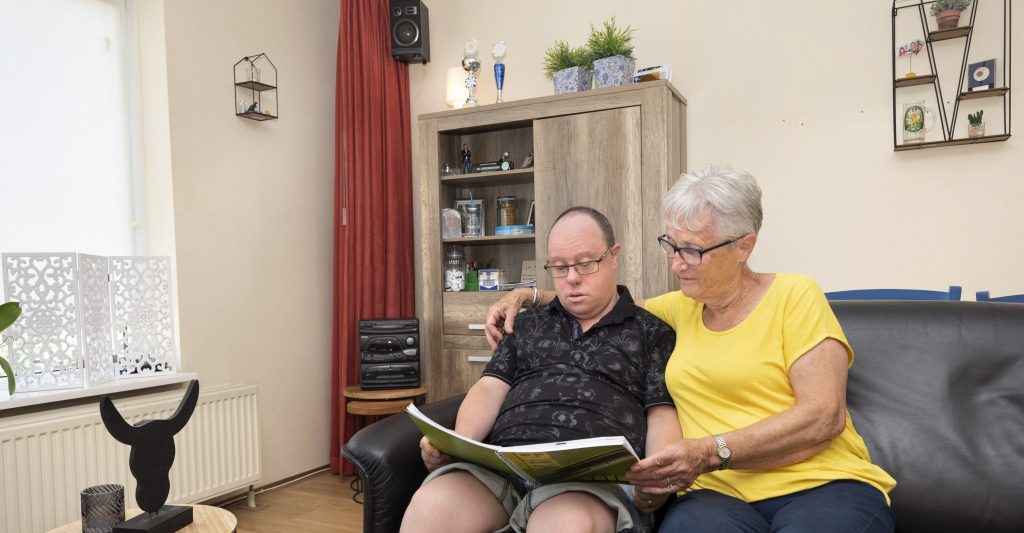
473, 225
455, 271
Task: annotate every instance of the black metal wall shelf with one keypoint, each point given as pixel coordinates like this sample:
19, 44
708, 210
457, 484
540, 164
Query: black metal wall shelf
256, 88
948, 121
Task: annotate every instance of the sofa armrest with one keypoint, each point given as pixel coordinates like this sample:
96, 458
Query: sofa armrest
386, 455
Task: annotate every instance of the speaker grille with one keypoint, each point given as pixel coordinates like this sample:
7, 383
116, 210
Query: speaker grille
406, 33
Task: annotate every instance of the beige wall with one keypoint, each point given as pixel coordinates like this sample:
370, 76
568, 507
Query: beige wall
252, 213
799, 94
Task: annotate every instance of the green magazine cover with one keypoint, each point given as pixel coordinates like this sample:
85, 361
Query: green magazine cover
596, 459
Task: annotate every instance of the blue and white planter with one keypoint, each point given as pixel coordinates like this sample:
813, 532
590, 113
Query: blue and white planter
613, 71
571, 80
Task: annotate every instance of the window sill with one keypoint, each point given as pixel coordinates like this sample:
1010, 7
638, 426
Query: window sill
38, 398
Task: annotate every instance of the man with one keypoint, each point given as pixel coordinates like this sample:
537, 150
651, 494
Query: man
589, 364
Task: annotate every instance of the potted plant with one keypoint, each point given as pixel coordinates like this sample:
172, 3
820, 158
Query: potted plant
612, 51
947, 12
9, 312
977, 124
569, 67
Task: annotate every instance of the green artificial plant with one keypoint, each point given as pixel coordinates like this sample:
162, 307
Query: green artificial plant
945, 5
975, 118
9, 312
610, 41
562, 56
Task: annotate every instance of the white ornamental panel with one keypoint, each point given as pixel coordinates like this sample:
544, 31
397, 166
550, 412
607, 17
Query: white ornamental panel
97, 330
143, 319
45, 345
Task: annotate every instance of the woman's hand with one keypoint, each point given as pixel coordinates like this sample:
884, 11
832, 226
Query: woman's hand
648, 502
432, 457
501, 316
674, 468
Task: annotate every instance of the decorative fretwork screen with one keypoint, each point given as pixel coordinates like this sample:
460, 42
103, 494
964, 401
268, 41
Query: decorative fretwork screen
87, 319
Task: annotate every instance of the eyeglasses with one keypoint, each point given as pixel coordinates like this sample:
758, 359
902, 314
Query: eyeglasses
690, 256
583, 268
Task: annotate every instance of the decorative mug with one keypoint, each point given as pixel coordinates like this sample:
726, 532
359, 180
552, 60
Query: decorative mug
917, 121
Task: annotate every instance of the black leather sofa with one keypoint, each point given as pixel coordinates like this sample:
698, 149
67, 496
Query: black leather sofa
937, 392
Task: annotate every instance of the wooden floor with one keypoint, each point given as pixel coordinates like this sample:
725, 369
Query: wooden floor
322, 503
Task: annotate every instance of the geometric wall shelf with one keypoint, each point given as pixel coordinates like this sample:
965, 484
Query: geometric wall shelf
256, 88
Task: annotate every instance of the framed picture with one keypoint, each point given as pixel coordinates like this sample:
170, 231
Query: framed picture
660, 72
529, 218
981, 75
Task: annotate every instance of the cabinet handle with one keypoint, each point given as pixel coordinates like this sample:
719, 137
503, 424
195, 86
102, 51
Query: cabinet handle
477, 326
478, 358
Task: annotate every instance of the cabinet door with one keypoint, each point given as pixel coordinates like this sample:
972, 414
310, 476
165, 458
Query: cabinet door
593, 159
463, 362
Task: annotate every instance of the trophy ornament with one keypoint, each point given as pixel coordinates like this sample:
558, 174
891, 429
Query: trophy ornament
498, 52
471, 64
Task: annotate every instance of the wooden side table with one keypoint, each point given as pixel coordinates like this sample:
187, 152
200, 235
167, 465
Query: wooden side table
205, 519
377, 404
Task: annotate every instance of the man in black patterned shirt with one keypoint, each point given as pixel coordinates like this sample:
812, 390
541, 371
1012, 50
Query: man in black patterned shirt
589, 364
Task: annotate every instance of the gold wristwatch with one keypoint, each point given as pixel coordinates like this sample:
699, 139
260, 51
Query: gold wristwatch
724, 453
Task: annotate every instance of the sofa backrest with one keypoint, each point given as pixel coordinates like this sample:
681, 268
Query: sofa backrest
937, 393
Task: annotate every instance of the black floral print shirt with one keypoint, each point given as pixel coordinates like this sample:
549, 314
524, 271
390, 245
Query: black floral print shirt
567, 385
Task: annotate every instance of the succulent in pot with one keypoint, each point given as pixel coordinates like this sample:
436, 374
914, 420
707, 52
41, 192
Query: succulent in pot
611, 49
570, 68
976, 128
947, 12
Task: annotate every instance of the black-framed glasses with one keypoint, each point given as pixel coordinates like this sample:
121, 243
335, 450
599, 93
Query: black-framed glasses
690, 256
583, 268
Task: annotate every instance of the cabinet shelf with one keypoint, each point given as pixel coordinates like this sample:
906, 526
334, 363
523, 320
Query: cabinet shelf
498, 177
489, 239
987, 93
954, 142
255, 116
916, 80
952, 33
255, 85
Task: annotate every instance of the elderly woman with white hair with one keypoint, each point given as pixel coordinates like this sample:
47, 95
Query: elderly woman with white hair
758, 377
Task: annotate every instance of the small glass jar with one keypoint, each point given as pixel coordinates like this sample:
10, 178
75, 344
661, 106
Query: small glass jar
507, 210
474, 226
455, 270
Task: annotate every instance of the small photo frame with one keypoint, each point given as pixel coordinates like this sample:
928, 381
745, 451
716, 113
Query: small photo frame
529, 218
981, 75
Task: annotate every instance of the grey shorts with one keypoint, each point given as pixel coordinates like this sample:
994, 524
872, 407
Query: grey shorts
519, 501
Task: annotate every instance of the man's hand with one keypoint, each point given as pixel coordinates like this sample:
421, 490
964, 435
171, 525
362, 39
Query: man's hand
501, 316
432, 458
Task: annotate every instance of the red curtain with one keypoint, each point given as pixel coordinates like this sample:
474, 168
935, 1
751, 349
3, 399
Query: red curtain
373, 244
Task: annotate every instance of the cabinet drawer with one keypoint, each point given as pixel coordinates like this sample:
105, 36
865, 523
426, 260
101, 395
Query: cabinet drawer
464, 312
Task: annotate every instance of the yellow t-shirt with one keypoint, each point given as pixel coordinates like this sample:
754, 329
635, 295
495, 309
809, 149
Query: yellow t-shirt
726, 380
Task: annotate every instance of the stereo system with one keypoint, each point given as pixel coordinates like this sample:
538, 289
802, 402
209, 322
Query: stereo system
409, 41
389, 354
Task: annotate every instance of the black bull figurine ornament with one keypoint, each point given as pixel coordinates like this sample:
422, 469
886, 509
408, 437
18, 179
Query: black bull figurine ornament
152, 447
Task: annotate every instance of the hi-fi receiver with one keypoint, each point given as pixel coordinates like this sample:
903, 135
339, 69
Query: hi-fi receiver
389, 353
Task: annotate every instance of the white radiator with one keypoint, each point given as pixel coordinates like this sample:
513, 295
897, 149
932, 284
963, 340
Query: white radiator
48, 457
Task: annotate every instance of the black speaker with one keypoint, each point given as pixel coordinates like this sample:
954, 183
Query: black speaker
409, 41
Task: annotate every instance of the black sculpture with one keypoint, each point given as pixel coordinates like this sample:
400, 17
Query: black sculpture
152, 443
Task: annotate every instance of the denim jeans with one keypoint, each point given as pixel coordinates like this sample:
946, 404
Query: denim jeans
836, 507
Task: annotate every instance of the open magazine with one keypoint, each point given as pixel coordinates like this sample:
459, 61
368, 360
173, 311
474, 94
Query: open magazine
596, 459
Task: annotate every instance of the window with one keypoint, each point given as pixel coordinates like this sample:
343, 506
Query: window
66, 179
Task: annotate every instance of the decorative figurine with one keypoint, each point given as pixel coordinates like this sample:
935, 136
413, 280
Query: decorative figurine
152, 443
471, 64
465, 159
506, 164
528, 162
498, 52
252, 108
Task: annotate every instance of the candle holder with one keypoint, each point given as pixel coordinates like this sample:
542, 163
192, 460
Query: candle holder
102, 508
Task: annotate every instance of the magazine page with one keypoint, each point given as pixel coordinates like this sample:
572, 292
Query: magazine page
596, 459
457, 446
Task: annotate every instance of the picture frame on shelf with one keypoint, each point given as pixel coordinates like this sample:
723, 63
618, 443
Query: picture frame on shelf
529, 218
981, 75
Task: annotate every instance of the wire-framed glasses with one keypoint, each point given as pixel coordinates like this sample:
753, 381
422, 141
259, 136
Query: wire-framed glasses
583, 268
690, 256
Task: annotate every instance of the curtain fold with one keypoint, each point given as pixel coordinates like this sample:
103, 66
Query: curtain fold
373, 237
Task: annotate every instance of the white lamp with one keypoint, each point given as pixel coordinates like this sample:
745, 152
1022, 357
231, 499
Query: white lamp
455, 87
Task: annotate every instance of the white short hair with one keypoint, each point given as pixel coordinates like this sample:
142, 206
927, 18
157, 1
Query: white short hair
731, 196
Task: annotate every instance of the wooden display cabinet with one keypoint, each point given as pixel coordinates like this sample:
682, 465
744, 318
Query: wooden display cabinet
617, 150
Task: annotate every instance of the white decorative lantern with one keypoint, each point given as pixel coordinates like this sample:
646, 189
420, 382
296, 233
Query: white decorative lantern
87, 320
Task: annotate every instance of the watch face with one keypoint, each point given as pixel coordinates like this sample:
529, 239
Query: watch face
724, 452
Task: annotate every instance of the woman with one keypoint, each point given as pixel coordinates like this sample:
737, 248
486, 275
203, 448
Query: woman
758, 376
